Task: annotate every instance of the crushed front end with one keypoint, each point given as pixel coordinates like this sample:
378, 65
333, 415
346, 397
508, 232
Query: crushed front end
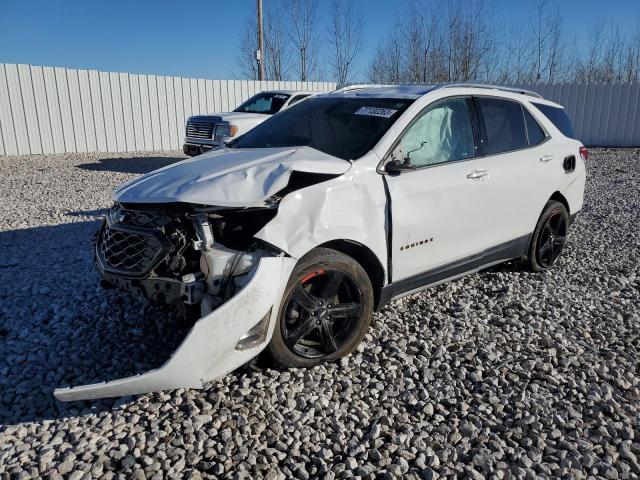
205, 262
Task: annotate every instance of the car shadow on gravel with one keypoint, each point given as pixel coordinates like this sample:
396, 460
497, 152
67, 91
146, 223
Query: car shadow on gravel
137, 164
59, 328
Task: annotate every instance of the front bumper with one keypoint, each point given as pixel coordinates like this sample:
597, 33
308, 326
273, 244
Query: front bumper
209, 349
196, 146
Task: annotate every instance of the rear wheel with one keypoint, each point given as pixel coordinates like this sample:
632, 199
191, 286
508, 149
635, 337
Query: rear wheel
325, 312
549, 237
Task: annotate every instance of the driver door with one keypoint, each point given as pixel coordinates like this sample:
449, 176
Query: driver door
437, 218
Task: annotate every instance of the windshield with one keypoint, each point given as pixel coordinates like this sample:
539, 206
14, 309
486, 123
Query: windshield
343, 127
265, 102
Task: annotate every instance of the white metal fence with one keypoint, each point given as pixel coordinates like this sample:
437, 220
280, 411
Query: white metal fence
604, 115
62, 110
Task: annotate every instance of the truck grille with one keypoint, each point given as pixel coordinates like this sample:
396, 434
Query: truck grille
130, 250
200, 128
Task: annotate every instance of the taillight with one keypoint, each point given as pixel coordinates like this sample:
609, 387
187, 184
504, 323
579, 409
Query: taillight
584, 153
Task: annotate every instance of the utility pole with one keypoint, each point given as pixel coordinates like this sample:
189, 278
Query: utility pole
260, 51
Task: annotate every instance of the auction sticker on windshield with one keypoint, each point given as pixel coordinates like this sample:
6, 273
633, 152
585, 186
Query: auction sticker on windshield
376, 111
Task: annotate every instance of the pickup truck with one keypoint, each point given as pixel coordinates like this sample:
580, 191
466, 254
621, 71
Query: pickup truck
206, 132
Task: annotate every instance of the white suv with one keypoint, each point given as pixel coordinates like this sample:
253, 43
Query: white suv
305, 225
209, 131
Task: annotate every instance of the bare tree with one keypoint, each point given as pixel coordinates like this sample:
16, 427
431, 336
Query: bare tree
277, 47
513, 56
247, 51
610, 57
386, 66
631, 63
345, 37
416, 40
303, 23
434, 48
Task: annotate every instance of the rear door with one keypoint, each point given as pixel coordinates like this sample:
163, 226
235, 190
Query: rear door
518, 158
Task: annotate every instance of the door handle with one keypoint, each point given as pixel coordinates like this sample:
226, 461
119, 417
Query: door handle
546, 158
477, 174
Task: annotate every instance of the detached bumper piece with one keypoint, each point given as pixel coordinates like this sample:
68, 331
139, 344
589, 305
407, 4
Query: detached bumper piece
218, 343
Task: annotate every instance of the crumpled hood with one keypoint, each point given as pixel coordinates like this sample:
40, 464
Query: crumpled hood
228, 177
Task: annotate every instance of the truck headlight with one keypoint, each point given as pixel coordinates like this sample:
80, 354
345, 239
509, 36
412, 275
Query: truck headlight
225, 131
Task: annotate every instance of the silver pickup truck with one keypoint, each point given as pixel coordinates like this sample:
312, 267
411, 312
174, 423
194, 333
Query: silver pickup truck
205, 132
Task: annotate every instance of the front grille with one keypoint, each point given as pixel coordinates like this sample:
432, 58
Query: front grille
130, 243
200, 128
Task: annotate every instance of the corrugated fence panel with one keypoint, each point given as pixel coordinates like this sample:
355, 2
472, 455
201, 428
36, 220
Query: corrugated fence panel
118, 117
171, 111
602, 114
53, 105
87, 111
155, 112
107, 111
58, 110
136, 112
29, 104
180, 114
145, 106
6, 118
77, 119
61, 110
64, 100
42, 109
127, 112
633, 124
164, 114
17, 109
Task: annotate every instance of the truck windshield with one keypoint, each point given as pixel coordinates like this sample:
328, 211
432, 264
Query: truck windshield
265, 102
346, 128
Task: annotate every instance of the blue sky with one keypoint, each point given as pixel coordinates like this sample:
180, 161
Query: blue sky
199, 38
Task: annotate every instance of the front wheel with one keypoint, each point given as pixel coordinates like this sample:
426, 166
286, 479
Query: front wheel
325, 312
549, 237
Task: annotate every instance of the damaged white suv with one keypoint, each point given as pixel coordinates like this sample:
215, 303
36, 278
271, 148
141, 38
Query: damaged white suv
290, 237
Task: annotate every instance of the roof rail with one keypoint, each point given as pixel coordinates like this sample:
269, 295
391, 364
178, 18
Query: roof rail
362, 86
490, 87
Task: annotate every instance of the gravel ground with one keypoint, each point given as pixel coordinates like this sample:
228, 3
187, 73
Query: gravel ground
500, 374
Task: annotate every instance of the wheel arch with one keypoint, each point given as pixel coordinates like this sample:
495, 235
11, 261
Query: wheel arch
558, 197
365, 257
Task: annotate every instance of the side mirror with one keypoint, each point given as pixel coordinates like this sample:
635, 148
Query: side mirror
395, 167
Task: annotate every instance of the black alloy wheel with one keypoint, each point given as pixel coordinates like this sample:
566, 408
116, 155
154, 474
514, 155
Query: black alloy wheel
552, 239
325, 312
549, 237
321, 313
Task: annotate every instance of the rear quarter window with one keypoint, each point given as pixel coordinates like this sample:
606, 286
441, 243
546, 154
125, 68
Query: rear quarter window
558, 117
535, 134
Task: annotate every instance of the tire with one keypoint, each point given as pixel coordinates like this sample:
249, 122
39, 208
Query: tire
549, 237
312, 281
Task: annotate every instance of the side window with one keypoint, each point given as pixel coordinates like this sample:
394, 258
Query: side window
558, 117
504, 125
442, 134
297, 98
535, 134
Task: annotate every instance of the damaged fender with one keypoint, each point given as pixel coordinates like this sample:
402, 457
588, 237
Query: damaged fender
209, 349
351, 207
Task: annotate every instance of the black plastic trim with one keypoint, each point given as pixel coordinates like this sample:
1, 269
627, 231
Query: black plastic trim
389, 213
507, 251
